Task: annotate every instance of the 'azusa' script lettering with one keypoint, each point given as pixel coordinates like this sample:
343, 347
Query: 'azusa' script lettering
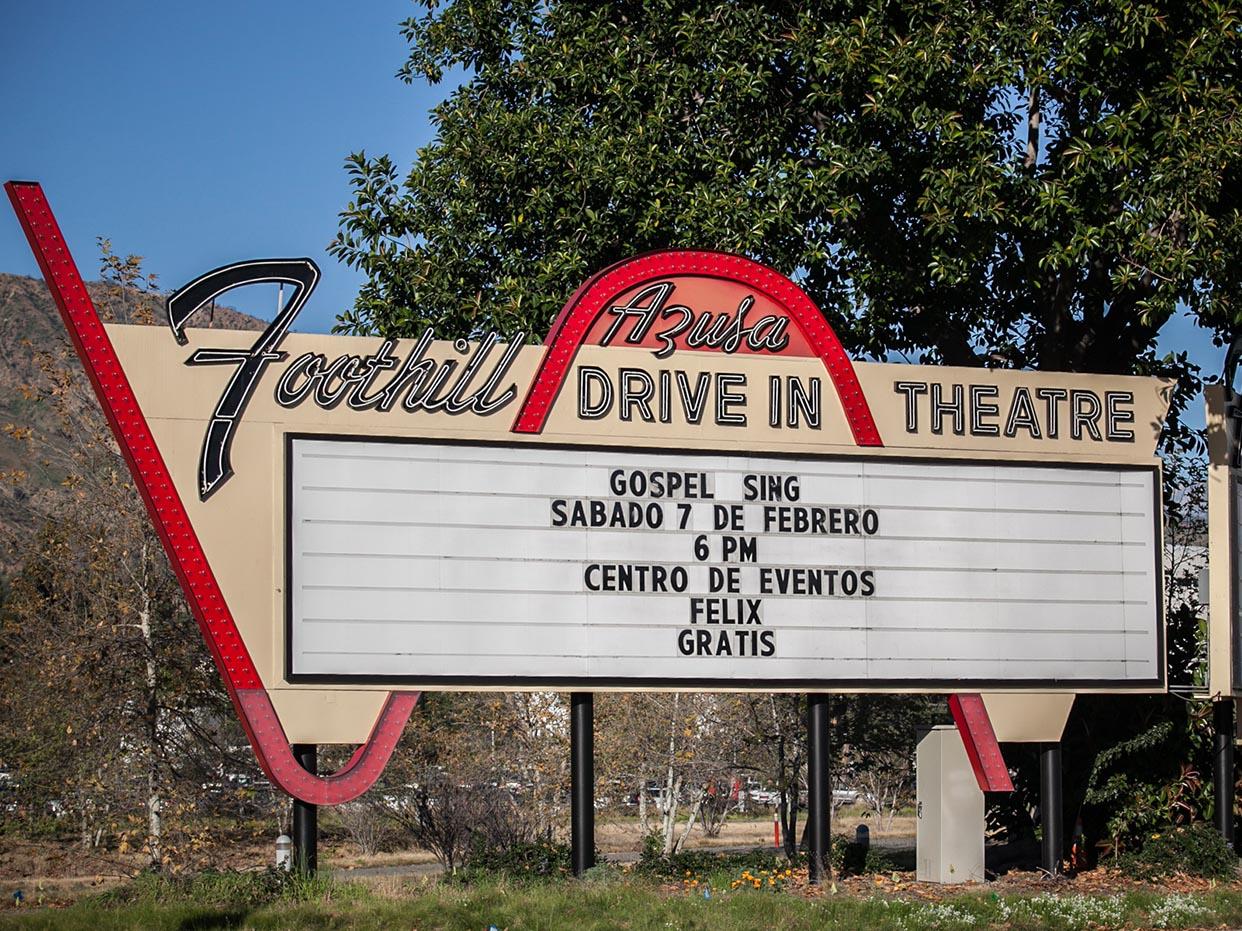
650, 313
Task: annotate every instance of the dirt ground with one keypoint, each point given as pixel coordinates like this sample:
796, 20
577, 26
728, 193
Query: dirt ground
56, 861
58, 874
62, 870
619, 835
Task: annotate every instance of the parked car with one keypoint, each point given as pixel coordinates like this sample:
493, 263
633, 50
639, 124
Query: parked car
768, 797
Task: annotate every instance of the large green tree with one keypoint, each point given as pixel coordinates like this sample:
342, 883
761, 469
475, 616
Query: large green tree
1000, 183
1016, 183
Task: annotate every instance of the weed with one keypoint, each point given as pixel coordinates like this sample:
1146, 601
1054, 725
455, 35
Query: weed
1195, 850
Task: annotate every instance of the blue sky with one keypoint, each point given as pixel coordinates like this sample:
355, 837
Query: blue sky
199, 134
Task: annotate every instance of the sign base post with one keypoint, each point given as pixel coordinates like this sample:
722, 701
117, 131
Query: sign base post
306, 818
819, 798
1050, 806
1222, 769
582, 775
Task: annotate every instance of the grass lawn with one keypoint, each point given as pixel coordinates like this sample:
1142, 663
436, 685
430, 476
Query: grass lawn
612, 901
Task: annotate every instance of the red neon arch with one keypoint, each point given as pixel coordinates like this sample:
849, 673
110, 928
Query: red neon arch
575, 321
185, 552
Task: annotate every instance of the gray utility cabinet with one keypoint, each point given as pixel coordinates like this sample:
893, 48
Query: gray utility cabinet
950, 810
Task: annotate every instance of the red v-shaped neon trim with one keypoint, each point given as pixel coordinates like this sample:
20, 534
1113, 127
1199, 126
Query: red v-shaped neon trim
185, 553
970, 715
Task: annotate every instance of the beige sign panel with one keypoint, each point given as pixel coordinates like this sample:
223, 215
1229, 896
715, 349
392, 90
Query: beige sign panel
615, 397
1028, 717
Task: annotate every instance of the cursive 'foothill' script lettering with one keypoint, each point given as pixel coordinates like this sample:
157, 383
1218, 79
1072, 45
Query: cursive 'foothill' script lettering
418, 383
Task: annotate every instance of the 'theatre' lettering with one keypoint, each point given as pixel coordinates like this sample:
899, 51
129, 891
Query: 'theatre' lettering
1036, 414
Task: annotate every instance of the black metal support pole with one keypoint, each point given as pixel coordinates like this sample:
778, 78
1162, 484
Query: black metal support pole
582, 775
1050, 806
306, 818
1222, 770
818, 789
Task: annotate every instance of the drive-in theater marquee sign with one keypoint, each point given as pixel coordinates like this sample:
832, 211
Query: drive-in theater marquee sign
689, 485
